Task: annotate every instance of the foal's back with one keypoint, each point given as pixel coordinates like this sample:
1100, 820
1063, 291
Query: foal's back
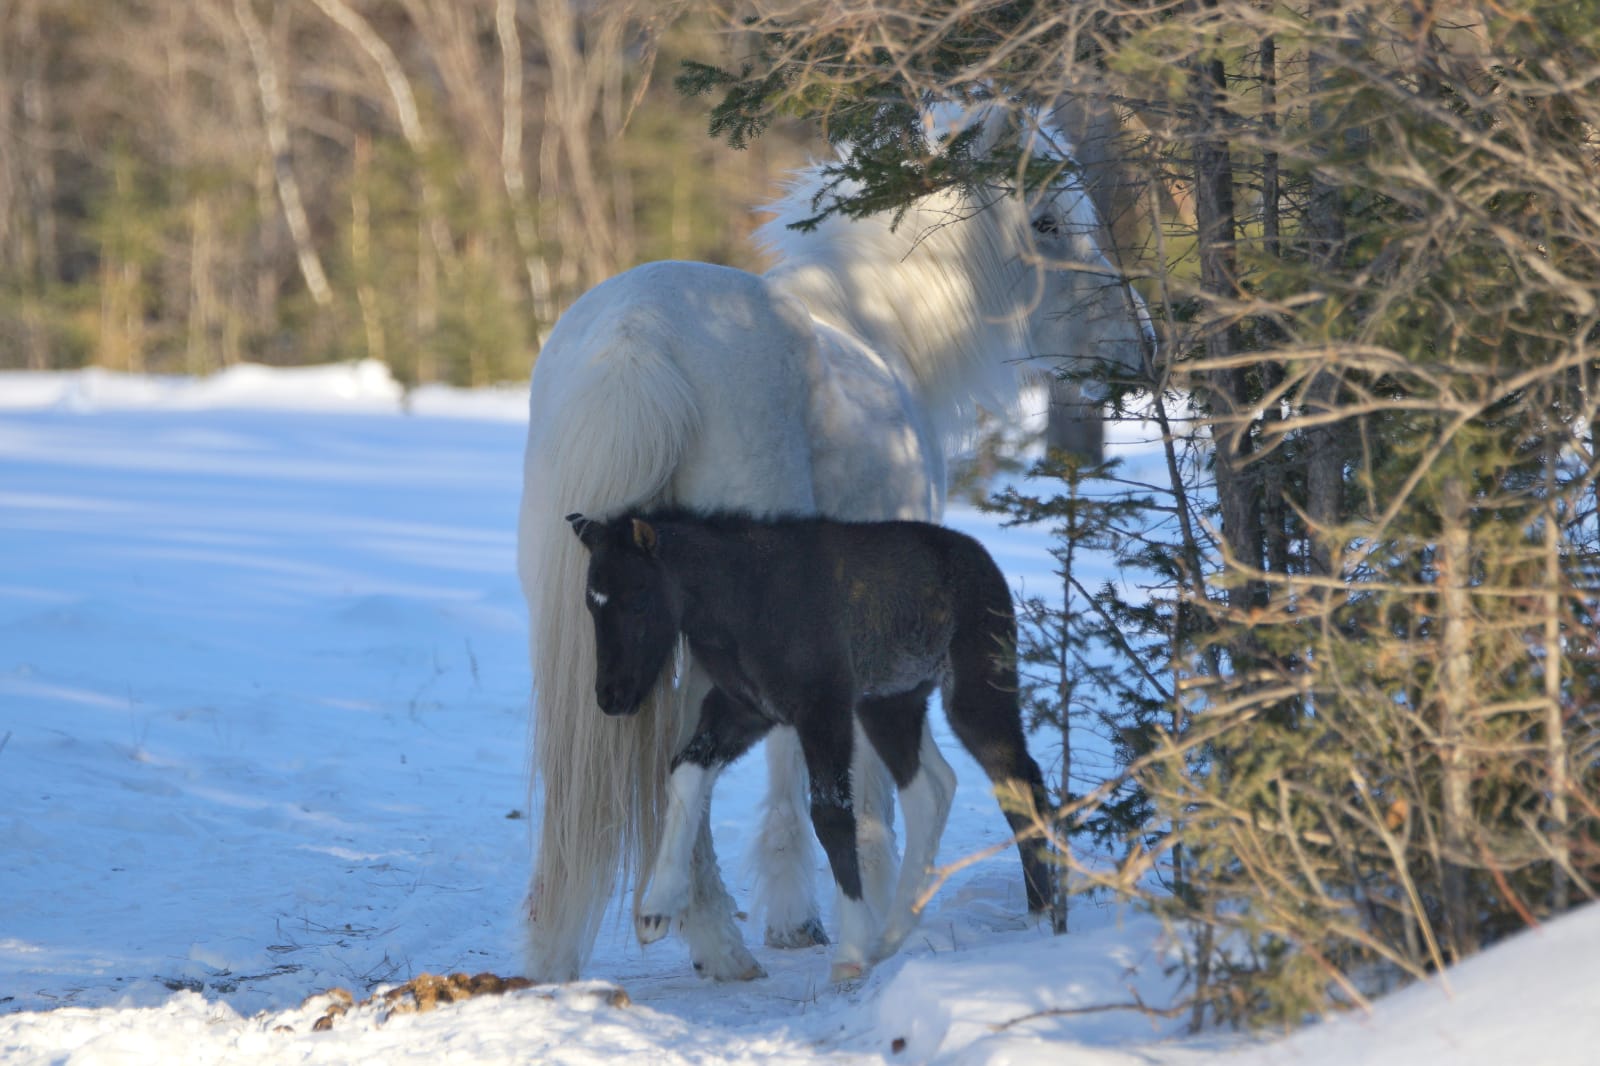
907, 590
896, 598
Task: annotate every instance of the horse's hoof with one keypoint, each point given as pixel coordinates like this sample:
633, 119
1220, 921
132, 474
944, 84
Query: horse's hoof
888, 944
807, 934
844, 973
652, 927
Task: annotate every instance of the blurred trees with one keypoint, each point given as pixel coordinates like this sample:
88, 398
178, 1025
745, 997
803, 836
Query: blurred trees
427, 182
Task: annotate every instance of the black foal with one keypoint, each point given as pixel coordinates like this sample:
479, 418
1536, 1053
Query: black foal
820, 626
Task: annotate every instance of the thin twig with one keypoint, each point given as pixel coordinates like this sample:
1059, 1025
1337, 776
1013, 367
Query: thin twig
1138, 1004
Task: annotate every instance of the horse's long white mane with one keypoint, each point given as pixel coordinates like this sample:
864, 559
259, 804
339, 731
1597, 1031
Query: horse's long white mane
951, 285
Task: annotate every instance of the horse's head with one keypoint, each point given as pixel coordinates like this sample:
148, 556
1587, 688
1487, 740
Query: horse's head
974, 290
1089, 320
1049, 267
634, 609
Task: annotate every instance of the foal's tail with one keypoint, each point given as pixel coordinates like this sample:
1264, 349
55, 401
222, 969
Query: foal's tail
981, 702
609, 424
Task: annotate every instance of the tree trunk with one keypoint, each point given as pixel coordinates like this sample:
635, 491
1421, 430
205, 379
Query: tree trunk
512, 117
406, 113
28, 185
577, 68
1454, 702
1271, 209
1555, 733
361, 252
1238, 494
1325, 444
269, 87
1074, 424
1066, 685
200, 339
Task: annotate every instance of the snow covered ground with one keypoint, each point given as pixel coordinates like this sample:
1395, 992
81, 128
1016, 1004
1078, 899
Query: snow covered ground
262, 731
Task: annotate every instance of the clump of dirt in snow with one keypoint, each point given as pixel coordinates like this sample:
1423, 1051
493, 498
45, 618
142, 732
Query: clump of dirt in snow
426, 992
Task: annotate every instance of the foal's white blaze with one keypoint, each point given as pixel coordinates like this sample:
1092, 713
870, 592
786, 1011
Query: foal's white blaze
599, 599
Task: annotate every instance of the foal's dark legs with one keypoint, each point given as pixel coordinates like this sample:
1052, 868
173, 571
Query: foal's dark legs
981, 704
728, 728
894, 726
826, 730
1004, 757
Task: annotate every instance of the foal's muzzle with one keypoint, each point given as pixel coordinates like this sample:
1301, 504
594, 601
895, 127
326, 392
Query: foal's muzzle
619, 700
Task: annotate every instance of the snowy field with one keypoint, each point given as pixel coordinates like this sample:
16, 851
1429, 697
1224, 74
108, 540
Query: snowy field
262, 734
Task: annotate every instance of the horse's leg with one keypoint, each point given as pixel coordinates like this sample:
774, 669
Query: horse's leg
826, 736
782, 852
983, 713
716, 946
898, 728
874, 804
708, 925
688, 791
685, 882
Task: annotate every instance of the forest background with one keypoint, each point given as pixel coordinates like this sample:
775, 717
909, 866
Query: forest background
1354, 700
184, 186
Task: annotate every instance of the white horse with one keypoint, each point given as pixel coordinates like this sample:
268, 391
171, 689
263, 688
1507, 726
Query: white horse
830, 384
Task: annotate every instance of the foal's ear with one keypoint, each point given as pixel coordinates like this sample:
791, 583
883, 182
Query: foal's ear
587, 529
644, 535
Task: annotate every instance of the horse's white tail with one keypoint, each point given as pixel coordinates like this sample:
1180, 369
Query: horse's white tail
609, 424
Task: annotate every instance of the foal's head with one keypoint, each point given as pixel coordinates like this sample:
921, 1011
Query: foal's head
633, 607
